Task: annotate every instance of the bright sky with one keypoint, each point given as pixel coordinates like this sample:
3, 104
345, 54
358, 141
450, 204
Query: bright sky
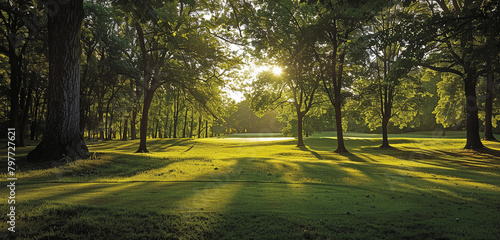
253, 70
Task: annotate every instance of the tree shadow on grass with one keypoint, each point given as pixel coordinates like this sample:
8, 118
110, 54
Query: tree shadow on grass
357, 200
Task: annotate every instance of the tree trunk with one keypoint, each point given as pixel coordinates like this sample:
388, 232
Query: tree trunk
133, 131
473, 138
25, 112
206, 128
192, 124
185, 123
106, 121
176, 113
300, 116
34, 122
62, 137
15, 89
125, 129
340, 135
167, 132
199, 126
385, 138
488, 126
148, 97
110, 125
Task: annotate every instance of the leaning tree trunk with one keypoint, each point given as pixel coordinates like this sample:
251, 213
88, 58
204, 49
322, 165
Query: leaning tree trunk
488, 126
62, 137
473, 138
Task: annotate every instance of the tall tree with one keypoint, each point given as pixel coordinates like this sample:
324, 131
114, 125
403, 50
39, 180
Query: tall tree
282, 32
387, 72
339, 23
62, 135
449, 42
16, 36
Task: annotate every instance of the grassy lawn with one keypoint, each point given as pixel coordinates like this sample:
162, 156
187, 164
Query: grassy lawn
235, 187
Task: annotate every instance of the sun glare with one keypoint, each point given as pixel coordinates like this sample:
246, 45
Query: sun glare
277, 70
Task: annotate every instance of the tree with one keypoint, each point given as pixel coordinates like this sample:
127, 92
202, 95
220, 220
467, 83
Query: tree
16, 37
175, 48
62, 135
339, 23
449, 41
282, 31
448, 113
386, 88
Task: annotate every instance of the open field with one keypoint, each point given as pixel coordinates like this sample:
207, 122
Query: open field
425, 187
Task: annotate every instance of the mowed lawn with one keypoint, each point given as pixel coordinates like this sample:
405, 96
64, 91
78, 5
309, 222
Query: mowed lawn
251, 187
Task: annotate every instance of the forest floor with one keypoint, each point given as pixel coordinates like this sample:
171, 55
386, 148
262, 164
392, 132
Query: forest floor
240, 187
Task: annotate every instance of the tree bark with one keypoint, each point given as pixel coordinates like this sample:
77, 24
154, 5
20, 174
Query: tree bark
185, 123
300, 118
133, 120
25, 103
385, 138
488, 125
206, 128
15, 89
176, 113
199, 126
148, 98
338, 120
125, 129
192, 124
62, 138
473, 138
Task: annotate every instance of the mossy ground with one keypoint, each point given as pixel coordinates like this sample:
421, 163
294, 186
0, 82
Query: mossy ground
425, 187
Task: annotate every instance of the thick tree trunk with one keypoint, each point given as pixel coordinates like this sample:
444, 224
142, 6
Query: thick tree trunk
340, 135
148, 97
473, 138
62, 137
300, 118
385, 138
488, 126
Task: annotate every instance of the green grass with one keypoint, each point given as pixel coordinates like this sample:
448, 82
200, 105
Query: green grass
242, 188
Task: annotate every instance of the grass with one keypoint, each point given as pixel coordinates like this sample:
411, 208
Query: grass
425, 187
